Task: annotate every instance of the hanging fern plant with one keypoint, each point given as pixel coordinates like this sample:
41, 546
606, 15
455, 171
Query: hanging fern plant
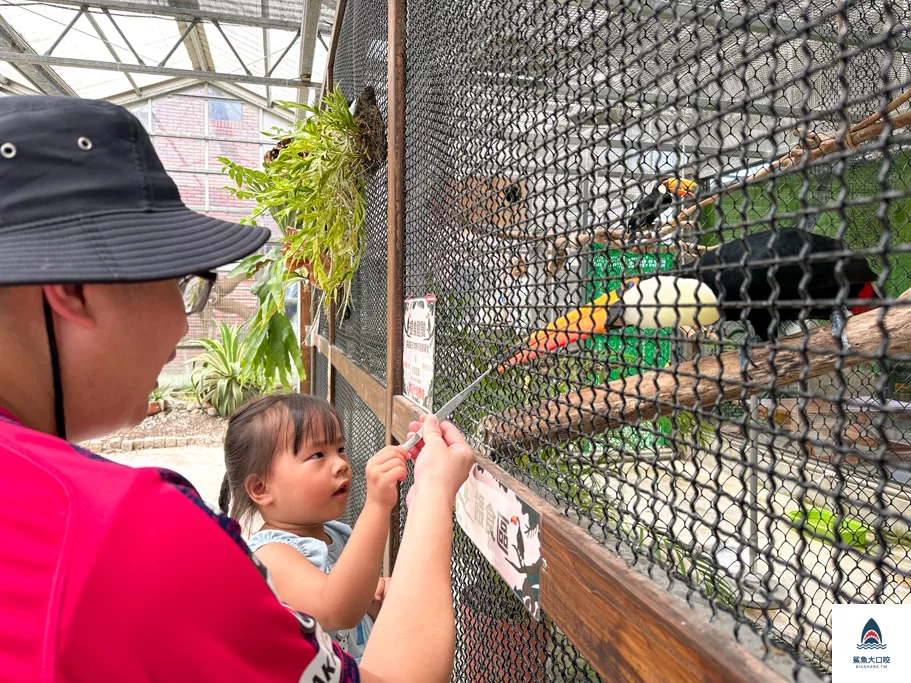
312, 185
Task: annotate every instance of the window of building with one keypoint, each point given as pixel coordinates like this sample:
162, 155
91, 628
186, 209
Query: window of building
225, 110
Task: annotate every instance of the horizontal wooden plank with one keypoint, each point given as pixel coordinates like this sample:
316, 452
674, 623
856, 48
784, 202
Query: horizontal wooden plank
369, 387
629, 628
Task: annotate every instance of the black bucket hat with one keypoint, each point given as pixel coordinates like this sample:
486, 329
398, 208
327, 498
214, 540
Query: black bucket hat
84, 199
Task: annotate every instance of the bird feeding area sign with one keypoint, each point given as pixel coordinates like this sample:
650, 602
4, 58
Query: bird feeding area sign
418, 347
506, 530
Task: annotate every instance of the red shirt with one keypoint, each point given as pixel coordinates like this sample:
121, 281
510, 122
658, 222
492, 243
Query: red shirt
109, 573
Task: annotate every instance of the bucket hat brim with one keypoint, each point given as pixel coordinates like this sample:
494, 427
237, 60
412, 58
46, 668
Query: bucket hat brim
123, 246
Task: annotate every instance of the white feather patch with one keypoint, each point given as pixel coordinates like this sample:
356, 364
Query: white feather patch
664, 301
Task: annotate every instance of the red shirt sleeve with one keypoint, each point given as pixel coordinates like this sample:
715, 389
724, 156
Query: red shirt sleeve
171, 597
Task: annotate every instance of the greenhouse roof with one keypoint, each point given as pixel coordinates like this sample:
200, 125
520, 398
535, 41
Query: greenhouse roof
105, 48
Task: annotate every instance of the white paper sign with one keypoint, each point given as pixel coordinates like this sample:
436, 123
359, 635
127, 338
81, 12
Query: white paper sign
506, 530
417, 355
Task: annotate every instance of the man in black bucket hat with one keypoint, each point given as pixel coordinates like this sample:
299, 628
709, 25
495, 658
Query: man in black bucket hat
114, 573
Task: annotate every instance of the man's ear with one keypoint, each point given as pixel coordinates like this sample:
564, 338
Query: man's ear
258, 490
68, 302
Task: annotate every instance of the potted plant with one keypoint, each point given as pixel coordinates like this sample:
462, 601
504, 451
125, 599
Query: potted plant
219, 376
158, 400
312, 184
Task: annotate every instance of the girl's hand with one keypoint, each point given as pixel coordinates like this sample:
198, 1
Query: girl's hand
384, 471
381, 589
443, 458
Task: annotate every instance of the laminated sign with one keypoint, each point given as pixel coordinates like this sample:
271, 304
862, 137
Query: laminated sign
506, 530
417, 356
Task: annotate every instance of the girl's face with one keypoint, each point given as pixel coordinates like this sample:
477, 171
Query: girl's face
310, 486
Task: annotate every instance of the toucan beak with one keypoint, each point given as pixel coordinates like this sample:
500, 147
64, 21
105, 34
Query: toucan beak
594, 317
681, 187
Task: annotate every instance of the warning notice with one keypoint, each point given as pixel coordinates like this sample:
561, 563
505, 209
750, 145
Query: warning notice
417, 356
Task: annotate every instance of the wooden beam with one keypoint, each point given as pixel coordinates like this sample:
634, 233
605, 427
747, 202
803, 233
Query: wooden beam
305, 301
700, 383
329, 79
369, 387
330, 318
626, 626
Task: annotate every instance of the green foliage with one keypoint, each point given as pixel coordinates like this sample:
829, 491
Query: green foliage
219, 375
271, 346
314, 189
685, 430
160, 393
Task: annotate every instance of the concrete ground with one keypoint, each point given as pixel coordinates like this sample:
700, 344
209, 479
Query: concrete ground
204, 466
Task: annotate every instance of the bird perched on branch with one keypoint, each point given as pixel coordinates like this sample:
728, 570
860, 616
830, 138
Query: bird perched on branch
652, 302
778, 275
656, 202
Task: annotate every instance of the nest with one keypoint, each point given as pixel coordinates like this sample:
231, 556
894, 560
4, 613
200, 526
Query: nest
372, 130
371, 136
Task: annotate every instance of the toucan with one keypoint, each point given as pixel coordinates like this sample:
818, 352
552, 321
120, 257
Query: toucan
743, 273
653, 302
657, 202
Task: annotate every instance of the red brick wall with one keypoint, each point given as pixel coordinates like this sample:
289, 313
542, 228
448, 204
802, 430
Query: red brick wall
187, 160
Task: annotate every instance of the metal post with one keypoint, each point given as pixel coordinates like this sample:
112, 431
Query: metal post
65, 31
395, 268
753, 461
329, 81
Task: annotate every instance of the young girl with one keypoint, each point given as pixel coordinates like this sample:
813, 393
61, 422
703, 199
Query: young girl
285, 458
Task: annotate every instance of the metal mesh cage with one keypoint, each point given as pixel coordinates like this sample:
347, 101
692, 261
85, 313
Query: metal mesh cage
535, 135
364, 436
361, 62
496, 639
321, 376
554, 152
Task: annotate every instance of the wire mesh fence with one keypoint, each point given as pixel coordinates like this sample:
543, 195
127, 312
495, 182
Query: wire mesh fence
740, 430
360, 63
364, 436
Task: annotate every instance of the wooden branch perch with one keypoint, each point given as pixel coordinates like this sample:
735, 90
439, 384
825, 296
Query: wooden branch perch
653, 394
818, 147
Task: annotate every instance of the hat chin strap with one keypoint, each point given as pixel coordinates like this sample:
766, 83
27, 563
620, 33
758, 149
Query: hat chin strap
55, 369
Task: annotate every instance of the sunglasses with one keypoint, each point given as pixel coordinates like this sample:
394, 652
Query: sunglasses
195, 290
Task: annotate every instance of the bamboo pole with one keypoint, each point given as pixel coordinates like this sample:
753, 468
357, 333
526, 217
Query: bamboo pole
698, 383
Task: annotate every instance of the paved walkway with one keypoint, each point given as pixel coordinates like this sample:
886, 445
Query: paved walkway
204, 466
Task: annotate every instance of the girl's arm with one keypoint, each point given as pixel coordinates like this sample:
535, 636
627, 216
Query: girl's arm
414, 637
340, 599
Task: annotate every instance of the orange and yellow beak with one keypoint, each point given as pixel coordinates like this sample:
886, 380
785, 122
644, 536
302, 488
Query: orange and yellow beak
577, 325
680, 187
